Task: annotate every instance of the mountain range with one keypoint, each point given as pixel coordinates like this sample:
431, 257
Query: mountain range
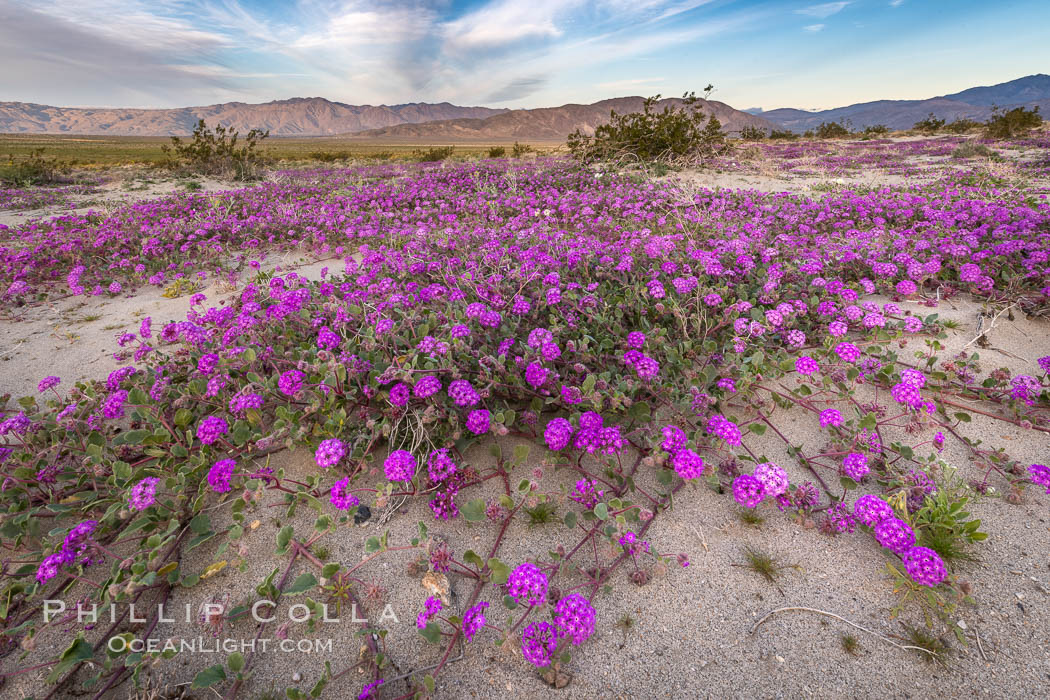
300, 116
553, 123
444, 122
316, 116
975, 103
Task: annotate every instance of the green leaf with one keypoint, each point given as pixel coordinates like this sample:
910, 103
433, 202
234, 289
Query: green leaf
500, 571
588, 384
521, 453
201, 524
76, 652
640, 411
235, 661
329, 570
372, 544
303, 583
509, 603
847, 483
428, 682
962, 417
284, 538
474, 511
602, 511
209, 677
135, 437
757, 428
570, 520
471, 557
431, 633
183, 416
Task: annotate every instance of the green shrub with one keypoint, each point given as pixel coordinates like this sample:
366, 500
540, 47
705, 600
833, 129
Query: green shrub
832, 130
1007, 124
962, 126
329, 156
785, 135
34, 169
215, 152
434, 154
972, 149
752, 133
521, 149
929, 125
497, 152
673, 134
875, 130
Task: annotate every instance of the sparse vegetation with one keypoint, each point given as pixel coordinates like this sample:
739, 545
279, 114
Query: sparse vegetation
497, 152
672, 135
216, 152
938, 649
434, 154
752, 133
750, 517
832, 130
972, 149
33, 169
962, 126
521, 149
765, 565
783, 135
875, 131
1005, 124
850, 643
930, 125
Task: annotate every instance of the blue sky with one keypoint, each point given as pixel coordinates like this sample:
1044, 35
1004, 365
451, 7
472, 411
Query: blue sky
511, 53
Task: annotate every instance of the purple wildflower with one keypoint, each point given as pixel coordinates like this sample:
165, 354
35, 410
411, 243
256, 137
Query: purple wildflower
400, 465
747, 491
574, 618
340, 496
143, 494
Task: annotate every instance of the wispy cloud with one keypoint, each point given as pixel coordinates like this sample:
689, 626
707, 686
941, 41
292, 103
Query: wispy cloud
512, 52
630, 83
506, 22
517, 89
821, 11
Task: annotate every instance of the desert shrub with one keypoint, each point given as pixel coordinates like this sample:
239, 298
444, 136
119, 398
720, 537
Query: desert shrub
216, 152
434, 154
521, 149
784, 135
972, 149
673, 134
875, 130
497, 152
34, 169
752, 133
832, 130
1004, 124
962, 126
329, 156
930, 125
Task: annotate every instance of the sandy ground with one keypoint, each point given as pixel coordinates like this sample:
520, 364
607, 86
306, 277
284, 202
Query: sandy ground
75, 338
692, 634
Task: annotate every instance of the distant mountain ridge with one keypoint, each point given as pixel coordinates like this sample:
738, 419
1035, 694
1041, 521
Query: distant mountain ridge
299, 116
553, 123
974, 103
316, 116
